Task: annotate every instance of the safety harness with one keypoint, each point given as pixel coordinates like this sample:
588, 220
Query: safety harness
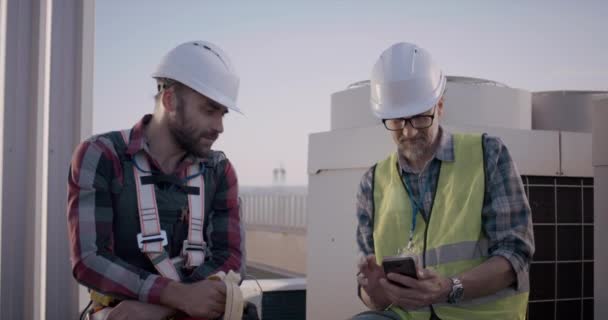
152, 239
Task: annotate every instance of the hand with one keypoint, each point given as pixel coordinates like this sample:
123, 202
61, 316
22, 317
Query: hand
429, 288
369, 277
204, 299
136, 310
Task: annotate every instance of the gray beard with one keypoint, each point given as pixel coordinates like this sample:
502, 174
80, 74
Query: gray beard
415, 152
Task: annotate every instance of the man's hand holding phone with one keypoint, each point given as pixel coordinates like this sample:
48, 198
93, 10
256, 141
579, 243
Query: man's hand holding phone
368, 278
410, 287
403, 265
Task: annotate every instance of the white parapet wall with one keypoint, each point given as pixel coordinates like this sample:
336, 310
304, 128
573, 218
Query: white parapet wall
275, 220
282, 253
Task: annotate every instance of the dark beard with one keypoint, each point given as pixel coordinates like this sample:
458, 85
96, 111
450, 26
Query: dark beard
185, 136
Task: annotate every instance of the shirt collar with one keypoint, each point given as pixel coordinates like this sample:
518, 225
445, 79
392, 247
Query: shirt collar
138, 142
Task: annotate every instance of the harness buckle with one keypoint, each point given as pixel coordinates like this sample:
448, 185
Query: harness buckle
187, 246
141, 239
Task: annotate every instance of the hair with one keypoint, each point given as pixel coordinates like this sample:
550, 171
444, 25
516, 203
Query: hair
163, 84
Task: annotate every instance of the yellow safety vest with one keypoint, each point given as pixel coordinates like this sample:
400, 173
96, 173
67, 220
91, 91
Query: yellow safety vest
452, 240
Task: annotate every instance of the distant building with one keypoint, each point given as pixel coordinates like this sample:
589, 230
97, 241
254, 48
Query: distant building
279, 176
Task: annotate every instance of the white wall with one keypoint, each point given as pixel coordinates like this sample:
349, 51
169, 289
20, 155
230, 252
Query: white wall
564, 110
332, 252
486, 105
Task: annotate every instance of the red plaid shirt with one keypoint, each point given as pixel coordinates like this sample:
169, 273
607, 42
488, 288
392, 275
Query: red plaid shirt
94, 168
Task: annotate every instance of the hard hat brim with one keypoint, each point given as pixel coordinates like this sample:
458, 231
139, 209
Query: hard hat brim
203, 90
384, 111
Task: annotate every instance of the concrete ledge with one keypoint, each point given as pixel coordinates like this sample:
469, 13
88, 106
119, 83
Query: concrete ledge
269, 285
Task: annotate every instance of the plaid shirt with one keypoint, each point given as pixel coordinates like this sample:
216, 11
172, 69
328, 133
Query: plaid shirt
505, 214
94, 170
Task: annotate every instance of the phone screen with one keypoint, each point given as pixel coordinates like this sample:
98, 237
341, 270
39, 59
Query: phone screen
402, 265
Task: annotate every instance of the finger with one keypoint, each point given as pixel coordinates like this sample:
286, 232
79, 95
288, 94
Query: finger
432, 285
362, 280
220, 287
391, 289
424, 274
362, 262
379, 271
404, 280
217, 307
402, 297
371, 260
364, 269
220, 298
400, 293
367, 264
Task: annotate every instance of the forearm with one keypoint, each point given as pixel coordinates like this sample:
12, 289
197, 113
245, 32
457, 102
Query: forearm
488, 278
117, 280
170, 296
130, 309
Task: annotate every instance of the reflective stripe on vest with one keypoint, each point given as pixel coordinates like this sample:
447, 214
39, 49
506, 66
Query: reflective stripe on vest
452, 241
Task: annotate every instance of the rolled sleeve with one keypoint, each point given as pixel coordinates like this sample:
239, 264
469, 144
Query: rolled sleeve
506, 212
365, 211
519, 264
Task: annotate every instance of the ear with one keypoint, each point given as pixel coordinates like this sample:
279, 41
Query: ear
440, 107
168, 99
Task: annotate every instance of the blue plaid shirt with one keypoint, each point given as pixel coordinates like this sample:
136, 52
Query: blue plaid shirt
506, 217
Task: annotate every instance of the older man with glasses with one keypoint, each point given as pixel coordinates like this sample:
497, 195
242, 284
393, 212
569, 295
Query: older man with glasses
453, 202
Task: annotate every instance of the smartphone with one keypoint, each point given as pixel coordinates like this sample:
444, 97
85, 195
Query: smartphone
402, 265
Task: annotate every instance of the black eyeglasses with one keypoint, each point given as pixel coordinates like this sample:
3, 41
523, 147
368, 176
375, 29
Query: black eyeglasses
417, 122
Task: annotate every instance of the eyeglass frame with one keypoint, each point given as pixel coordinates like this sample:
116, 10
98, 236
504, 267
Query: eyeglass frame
405, 121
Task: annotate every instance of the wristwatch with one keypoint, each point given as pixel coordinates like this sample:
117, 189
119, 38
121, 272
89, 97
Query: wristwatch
457, 292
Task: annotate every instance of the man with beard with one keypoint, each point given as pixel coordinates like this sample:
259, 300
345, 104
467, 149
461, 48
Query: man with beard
454, 202
152, 210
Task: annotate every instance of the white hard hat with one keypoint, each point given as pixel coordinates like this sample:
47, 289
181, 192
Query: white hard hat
405, 82
205, 68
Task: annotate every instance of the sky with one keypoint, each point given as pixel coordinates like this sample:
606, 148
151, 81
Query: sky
292, 55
